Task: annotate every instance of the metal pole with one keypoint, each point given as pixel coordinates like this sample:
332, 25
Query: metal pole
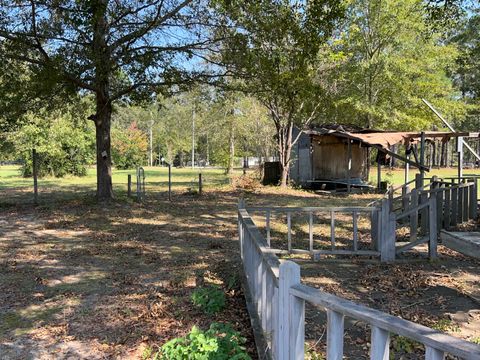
193, 139
349, 165
200, 185
450, 127
169, 182
129, 187
422, 153
35, 177
407, 166
151, 144
460, 157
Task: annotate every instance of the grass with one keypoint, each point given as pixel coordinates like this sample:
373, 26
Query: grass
397, 176
155, 177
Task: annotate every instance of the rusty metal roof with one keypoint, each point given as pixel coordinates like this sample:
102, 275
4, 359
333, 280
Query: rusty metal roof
385, 139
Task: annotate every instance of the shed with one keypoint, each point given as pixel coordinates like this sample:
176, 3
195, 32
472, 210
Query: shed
332, 156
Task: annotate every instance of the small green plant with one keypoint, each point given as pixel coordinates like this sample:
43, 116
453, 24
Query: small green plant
404, 344
445, 325
210, 299
311, 354
219, 342
476, 340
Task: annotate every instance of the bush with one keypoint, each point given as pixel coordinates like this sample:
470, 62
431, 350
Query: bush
129, 147
63, 146
219, 342
210, 299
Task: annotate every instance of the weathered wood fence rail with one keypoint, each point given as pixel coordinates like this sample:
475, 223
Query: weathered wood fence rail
279, 300
312, 212
425, 210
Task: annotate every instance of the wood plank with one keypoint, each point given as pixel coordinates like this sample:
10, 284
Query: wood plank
355, 231
472, 201
447, 208
289, 230
289, 276
310, 230
411, 245
380, 346
411, 211
454, 204
335, 333
433, 354
433, 230
414, 216
393, 324
267, 226
315, 209
332, 229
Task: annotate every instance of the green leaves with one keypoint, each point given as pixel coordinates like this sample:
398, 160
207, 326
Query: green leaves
219, 342
210, 299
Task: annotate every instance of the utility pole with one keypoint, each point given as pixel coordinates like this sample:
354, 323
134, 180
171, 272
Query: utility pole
193, 138
151, 144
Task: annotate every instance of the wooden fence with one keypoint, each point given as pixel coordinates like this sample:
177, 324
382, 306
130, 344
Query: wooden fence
279, 301
333, 212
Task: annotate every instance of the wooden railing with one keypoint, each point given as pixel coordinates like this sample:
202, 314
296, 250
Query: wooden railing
425, 210
333, 212
279, 303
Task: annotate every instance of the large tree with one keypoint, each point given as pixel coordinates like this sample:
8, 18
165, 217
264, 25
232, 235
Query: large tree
385, 59
116, 50
272, 46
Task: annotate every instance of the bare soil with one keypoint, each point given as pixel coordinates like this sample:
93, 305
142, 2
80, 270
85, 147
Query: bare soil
85, 281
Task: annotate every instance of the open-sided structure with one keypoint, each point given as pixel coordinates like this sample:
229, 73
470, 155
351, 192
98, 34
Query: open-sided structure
336, 156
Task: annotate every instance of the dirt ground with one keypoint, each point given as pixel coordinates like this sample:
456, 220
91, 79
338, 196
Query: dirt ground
80, 280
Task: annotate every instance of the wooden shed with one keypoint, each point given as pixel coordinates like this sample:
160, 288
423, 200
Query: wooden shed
335, 156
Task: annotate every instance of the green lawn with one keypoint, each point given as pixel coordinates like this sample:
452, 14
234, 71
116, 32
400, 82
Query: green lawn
14, 188
397, 177
155, 177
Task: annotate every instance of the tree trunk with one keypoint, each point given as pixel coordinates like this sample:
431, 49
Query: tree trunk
285, 134
104, 160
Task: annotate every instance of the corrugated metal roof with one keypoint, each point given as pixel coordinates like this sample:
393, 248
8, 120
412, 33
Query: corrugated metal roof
385, 139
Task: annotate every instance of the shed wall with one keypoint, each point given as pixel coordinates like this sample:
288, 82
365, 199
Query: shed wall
330, 158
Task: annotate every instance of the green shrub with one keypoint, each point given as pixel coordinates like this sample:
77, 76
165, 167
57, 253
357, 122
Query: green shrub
210, 299
219, 342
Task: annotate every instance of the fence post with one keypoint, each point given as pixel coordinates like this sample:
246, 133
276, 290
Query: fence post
335, 333
289, 231
380, 349
290, 330
387, 244
35, 176
473, 200
414, 216
129, 185
200, 185
374, 229
433, 354
433, 231
241, 234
